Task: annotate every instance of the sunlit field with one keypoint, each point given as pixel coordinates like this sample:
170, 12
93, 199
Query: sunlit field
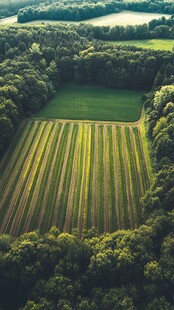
156, 44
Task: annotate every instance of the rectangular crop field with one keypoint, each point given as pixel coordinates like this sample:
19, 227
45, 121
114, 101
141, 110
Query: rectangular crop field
73, 175
81, 102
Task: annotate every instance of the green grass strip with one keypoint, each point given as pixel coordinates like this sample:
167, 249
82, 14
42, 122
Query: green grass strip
142, 162
100, 179
39, 202
16, 152
111, 182
79, 187
122, 180
43, 127
18, 167
34, 183
14, 146
67, 179
90, 180
51, 201
133, 178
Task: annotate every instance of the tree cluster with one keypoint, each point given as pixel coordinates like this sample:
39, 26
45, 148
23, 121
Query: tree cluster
160, 121
81, 10
126, 270
69, 11
160, 28
151, 6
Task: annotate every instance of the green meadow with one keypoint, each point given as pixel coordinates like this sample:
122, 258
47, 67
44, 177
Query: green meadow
156, 44
93, 103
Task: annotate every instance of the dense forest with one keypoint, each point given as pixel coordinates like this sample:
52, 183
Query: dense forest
126, 270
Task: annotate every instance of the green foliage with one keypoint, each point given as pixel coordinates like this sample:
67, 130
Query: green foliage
127, 269
123, 270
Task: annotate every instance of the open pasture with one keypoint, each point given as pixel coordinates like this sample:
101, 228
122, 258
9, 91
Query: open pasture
73, 175
156, 44
125, 18
93, 103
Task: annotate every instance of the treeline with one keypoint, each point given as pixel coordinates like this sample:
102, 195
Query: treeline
160, 28
79, 9
83, 10
70, 11
126, 270
157, 28
11, 7
151, 6
35, 60
160, 121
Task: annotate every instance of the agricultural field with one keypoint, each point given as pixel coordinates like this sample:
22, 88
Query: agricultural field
156, 44
74, 175
77, 102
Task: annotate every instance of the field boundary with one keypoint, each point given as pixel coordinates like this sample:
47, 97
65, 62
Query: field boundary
90, 122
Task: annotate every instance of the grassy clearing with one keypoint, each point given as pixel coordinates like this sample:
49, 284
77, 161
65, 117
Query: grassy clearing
125, 18
93, 103
66, 175
156, 44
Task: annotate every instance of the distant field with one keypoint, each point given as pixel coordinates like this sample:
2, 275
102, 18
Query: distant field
73, 175
162, 44
123, 18
93, 103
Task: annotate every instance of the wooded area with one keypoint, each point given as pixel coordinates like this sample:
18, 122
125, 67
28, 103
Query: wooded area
125, 270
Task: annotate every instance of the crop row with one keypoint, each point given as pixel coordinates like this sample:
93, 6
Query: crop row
74, 176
